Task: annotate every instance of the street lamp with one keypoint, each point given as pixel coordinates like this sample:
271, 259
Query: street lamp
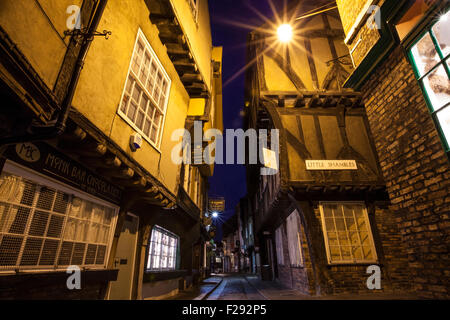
285, 32
215, 214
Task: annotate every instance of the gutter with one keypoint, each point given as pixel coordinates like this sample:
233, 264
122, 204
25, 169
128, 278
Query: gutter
45, 133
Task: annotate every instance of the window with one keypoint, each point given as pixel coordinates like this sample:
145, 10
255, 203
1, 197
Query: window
294, 243
279, 245
347, 233
194, 8
163, 250
430, 56
46, 228
145, 96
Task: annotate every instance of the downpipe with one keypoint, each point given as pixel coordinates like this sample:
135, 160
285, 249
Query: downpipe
45, 133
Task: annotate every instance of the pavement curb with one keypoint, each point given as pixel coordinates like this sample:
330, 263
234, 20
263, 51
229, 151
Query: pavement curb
205, 295
259, 291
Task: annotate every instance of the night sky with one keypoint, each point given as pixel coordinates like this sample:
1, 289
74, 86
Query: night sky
229, 180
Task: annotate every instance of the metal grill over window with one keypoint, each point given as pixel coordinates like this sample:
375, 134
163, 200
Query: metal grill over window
44, 228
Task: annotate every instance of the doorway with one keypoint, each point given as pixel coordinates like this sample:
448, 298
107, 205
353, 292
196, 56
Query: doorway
124, 260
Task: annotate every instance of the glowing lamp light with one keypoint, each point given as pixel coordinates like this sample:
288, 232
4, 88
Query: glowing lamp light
285, 33
215, 215
444, 17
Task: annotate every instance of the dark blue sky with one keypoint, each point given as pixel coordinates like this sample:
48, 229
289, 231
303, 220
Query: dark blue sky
229, 180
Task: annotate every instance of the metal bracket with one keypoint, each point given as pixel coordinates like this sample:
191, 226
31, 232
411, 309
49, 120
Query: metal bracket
77, 33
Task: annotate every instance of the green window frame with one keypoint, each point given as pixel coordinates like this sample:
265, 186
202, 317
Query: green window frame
428, 75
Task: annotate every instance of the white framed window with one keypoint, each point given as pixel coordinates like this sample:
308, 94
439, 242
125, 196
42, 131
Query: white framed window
46, 226
294, 242
279, 245
144, 99
194, 7
162, 251
347, 233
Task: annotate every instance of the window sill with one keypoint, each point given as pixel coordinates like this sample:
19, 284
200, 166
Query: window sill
154, 276
360, 264
45, 277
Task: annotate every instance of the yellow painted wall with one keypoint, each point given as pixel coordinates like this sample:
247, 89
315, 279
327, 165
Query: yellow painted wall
277, 80
103, 78
35, 36
198, 34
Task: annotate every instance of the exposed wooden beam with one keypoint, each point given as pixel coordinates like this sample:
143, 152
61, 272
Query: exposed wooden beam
88, 149
197, 86
177, 52
172, 38
77, 135
191, 77
157, 18
123, 172
312, 101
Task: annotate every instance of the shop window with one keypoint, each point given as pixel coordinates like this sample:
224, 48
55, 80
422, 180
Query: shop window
146, 92
162, 250
430, 57
347, 233
45, 228
279, 245
294, 242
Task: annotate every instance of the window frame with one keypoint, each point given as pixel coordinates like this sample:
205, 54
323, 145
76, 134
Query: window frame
130, 73
366, 220
40, 179
444, 61
193, 4
171, 235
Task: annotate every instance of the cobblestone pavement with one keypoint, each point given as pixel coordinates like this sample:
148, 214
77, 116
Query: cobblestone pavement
235, 287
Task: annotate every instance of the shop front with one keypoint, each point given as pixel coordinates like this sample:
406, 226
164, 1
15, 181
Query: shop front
55, 216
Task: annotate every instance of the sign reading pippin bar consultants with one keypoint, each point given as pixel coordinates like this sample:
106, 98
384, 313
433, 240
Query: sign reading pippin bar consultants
331, 165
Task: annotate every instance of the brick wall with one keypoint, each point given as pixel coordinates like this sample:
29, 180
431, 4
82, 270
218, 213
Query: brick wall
415, 168
352, 278
349, 11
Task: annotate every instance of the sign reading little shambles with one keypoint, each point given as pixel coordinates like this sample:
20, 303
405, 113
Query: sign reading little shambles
331, 165
47, 160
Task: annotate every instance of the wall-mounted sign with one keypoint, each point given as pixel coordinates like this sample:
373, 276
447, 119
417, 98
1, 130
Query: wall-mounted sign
45, 159
270, 159
331, 165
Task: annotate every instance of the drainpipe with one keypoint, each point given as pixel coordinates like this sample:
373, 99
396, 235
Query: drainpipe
60, 125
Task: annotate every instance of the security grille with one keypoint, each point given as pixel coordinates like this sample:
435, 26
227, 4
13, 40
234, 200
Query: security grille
44, 228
